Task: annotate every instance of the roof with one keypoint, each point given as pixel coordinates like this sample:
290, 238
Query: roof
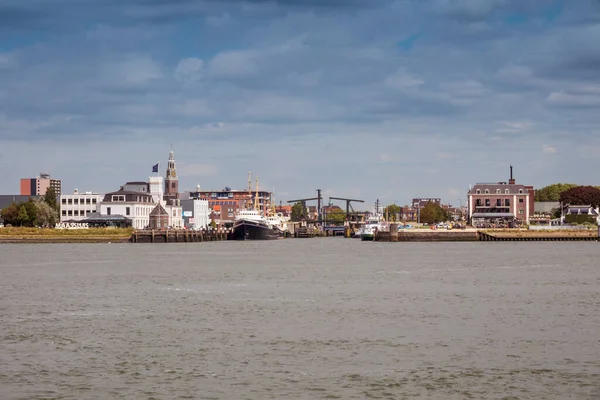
129, 195
7, 199
493, 187
159, 211
103, 217
493, 215
136, 183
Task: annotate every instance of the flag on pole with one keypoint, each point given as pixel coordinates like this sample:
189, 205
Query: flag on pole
155, 168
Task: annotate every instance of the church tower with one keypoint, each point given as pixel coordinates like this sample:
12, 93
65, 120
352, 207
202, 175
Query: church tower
171, 180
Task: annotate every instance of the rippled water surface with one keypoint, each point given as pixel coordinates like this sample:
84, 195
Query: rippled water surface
300, 319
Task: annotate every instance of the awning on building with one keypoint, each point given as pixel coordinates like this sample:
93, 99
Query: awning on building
493, 215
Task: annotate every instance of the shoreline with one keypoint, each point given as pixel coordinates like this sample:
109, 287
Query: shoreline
32, 236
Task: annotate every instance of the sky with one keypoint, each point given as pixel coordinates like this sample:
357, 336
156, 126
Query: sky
388, 99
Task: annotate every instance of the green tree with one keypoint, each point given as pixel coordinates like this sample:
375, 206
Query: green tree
23, 216
335, 216
392, 211
31, 208
432, 213
46, 216
50, 198
10, 214
552, 192
297, 212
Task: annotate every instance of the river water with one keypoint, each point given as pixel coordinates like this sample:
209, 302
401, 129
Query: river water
328, 318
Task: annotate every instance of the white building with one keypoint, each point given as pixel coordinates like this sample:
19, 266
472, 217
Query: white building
201, 214
135, 206
77, 206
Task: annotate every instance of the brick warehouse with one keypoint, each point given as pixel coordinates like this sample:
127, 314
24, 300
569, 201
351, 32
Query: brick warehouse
501, 203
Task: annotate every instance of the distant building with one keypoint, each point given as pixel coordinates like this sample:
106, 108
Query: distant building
225, 204
135, 206
422, 202
501, 203
7, 199
159, 218
201, 218
38, 186
79, 205
137, 200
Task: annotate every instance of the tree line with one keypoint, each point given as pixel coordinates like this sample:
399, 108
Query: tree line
569, 193
42, 212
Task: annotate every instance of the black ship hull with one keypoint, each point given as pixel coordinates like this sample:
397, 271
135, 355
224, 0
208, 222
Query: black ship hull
253, 230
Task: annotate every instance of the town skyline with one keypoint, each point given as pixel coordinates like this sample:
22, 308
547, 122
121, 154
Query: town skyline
363, 99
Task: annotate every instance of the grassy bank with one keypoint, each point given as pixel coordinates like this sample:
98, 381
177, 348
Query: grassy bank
45, 235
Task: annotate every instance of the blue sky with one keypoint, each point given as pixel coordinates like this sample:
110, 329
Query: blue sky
363, 99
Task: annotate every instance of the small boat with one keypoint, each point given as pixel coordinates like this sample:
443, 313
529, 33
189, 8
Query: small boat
373, 224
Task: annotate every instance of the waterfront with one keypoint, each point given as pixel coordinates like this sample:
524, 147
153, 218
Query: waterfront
301, 319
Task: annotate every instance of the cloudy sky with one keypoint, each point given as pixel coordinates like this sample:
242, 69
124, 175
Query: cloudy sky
361, 98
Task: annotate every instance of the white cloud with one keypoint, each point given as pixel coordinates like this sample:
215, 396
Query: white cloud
194, 108
133, 70
234, 64
573, 100
219, 20
402, 79
547, 149
189, 69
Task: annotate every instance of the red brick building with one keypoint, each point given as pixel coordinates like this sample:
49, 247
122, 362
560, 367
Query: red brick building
501, 203
226, 203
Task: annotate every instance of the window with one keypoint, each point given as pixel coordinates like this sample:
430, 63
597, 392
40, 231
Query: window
487, 202
107, 210
505, 191
520, 211
487, 191
521, 200
87, 201
70, 201
64, 213
70, 213
75, 201
118, 198
497, 191
498, 202
520, 191
93, 201
64, 201
507, 202
127, 210
76, 213
172, 185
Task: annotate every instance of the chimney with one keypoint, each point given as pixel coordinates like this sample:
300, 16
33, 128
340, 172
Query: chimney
511, 181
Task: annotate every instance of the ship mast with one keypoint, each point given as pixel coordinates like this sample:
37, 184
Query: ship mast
249, 201
256, 195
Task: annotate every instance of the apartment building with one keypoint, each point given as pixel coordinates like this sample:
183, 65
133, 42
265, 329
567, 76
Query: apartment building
77, 206
38, 186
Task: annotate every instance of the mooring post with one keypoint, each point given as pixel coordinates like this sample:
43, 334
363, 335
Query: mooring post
152, 237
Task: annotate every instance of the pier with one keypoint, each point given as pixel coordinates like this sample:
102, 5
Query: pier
473, 235
179, 236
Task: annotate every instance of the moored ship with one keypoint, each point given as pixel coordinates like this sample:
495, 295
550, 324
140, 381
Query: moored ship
251, 225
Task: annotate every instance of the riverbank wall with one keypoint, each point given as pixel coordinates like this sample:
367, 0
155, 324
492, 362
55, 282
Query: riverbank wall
475, 235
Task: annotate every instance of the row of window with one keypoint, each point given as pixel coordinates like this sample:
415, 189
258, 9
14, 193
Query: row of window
498, 191
79, 201
479, 203
76, 213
